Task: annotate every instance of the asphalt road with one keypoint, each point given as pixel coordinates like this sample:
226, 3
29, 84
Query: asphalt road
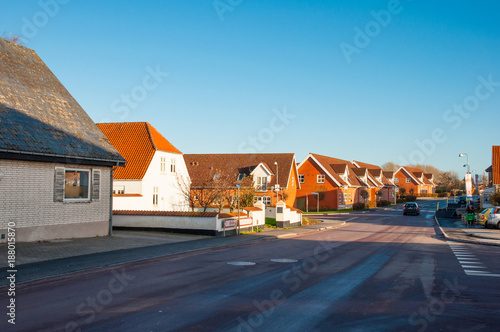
381, 272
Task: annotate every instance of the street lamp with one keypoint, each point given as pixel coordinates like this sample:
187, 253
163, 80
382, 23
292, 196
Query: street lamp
277, 184
461, 155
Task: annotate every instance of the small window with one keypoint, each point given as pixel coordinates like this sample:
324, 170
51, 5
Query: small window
279, 210
119, 190
321, 178
302, 178
172, 165
162, 165
345, 197
408, 180
340, 198
155, 195
196, 198
350, 197
76, 184
241, 176
396, 180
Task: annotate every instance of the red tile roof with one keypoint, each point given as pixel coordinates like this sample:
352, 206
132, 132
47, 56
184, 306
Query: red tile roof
164, 213
201, 167
137, 142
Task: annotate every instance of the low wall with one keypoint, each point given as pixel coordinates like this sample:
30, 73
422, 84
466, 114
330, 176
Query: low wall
185, 222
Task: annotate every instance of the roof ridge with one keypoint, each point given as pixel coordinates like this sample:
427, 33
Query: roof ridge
150, 136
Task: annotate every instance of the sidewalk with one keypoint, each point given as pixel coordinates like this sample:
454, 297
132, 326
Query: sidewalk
455, 230
39, 260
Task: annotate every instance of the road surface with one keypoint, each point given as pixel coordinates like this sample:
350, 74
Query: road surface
381, 272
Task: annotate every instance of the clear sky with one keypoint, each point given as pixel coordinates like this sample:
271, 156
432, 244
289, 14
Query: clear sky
375, 81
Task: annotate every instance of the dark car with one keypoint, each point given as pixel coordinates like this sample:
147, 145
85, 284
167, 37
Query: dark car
462, 200
411, 208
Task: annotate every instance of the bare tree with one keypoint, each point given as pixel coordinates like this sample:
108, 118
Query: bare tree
390, 166
11, 37
364, 194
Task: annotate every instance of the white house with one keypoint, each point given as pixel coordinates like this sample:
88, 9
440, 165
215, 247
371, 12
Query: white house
56, 166
150, 179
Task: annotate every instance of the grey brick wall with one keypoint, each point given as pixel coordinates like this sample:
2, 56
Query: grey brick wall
27, 196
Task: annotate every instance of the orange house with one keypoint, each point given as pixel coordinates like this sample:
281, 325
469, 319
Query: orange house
332, 183
415, 181
273, 175
385, 187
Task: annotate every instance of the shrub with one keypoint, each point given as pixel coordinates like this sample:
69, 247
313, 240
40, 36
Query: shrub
371, 204
383, 202
400, 200
411, 198
358, 206
443, 194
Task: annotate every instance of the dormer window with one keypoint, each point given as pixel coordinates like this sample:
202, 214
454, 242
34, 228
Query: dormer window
240, 176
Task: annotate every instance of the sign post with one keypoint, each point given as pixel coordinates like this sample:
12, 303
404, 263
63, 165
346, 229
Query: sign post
238, 195
317, 200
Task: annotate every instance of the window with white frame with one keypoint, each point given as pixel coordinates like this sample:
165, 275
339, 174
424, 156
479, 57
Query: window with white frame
321, 178
345, 197
396, 180
155, 195
77, 184
350, 197
340, 198
118, 189
162, 164
172, 165
261, 183
265, 199
408, 180
302, 178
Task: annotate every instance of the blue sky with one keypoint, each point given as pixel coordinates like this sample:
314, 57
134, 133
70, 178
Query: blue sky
376, 81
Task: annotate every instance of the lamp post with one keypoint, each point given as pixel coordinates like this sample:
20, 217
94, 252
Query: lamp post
468, 178
468, 167
277, 184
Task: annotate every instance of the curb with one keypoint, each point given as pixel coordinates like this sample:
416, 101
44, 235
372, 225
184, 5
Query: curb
451, 238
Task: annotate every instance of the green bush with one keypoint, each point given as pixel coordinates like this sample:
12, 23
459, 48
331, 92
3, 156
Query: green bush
443, 194
358, 206
411, 198
400, 201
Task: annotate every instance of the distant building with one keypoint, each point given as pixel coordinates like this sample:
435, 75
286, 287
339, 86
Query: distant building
495, 167
273, 176
55, 164
415, 181
150, 179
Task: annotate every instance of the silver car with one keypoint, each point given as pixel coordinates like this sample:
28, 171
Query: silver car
493, 218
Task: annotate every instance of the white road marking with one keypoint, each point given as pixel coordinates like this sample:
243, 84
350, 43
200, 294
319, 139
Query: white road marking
284, 260
241, 263
469, 262
351, 219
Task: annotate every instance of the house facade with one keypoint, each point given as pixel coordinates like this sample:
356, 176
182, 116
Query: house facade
414, 181
270, 177
55, 165
495, 167
384, 187
150, 180
333, 183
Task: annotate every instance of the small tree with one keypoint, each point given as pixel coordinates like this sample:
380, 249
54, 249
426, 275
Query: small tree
495, 198
402, 191
364, 195
412, 191
380, 195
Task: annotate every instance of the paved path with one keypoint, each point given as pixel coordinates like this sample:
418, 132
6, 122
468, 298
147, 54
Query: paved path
454, 229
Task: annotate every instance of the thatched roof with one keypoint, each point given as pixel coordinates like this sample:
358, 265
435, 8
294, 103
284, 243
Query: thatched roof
40, 120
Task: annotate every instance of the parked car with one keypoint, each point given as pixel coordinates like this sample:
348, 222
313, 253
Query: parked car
493, 218
482, 217
411, 208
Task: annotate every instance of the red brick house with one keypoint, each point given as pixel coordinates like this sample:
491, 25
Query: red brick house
273, 176
337, 183
385, 189
415, 181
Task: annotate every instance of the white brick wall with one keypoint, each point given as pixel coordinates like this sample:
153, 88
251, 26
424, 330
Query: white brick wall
27, 196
